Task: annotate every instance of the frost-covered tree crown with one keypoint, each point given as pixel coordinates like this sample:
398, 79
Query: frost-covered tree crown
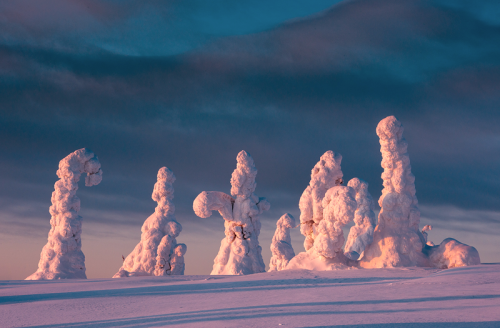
62, 257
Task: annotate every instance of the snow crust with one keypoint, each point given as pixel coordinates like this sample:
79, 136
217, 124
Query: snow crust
281, 245
240, 252
361, 234
376, 298
158, 250
324, 175
62, 256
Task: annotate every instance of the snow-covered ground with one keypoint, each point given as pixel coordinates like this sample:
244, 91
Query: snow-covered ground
405, 297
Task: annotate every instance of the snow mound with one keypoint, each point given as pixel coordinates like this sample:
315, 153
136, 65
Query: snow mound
62, 256
324, 175
153, 254
281, 245
452, 253
361, 234
240, 252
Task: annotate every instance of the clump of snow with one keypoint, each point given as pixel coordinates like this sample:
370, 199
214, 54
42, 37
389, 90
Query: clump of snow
452, 253
425, 234
325, 175
240, 252
62, 257
281, 245
153, 253
397, 240
361, 234
339, 205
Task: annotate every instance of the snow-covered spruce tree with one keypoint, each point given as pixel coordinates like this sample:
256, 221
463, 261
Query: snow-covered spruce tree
325, 175
281, 245
62, 256
159, 233
339, 205
397, 240
177, 260
239, 252
361, 234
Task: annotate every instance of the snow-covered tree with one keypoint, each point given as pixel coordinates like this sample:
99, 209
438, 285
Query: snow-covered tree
62, 256
159, 232
240, 252
361, 234
281, 245
339, 205
325, 175
177, 260
397, 240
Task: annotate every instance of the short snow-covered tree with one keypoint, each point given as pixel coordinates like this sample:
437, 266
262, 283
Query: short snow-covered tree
361, 234
325, 175
339, 205
240, 252
159, 233
62, 256
281, 245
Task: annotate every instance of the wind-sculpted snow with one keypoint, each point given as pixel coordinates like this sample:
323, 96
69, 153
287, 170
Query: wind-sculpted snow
240, 252
281, 245
325, 175
153, 254
62, 257
361, 234
339, 205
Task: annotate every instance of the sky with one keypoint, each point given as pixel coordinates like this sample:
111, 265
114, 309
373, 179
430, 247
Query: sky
188, 84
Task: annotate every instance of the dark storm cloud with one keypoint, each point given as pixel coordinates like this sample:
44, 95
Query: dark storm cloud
286, 95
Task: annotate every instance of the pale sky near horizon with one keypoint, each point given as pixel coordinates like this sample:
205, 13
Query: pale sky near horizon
188, 85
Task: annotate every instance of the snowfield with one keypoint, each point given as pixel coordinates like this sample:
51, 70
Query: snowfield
405, 297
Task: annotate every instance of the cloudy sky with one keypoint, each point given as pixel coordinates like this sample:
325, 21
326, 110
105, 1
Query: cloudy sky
188, 84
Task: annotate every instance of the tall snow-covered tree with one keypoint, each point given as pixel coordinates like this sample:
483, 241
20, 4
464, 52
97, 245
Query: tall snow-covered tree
62, 256
160, 230
240, 252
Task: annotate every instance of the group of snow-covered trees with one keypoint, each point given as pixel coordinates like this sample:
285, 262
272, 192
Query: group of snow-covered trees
326, 207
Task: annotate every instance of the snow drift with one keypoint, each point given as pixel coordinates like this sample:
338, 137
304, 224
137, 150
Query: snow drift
155, 253
361, 234
281, 245
240, 252
62, 256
